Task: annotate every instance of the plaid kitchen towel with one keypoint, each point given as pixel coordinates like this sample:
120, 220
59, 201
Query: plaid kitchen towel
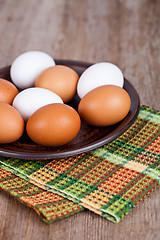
48, 205
110, 180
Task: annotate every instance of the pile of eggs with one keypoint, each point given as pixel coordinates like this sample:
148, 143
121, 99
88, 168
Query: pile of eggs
36, 100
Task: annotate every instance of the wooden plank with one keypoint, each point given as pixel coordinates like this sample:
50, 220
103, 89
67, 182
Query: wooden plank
126, 33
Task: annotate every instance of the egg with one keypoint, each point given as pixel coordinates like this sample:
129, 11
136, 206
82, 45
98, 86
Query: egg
7, 91
53, 125
99, 74
104, 105
30, 99
11, 123
27, 66
59, 79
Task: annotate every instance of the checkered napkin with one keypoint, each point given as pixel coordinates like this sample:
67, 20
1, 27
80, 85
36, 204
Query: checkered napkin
48, 205
110, 180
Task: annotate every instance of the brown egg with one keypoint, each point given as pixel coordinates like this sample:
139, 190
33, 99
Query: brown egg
60, 79
11, 123
105, 105
7, 91
53, 125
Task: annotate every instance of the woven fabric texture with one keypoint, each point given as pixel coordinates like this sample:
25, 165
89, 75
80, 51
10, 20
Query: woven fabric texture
110, 180
49, 206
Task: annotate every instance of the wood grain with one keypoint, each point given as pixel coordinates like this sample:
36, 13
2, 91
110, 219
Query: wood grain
124, 32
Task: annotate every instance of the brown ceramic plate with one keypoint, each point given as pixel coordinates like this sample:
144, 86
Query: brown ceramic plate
88, 138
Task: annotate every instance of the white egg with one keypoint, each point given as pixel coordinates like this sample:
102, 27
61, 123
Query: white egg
27, 67
97, 75
31, 99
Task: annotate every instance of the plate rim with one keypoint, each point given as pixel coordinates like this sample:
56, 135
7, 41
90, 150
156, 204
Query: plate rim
88, 147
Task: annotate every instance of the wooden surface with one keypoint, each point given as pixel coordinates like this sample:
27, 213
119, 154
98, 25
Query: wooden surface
124, 32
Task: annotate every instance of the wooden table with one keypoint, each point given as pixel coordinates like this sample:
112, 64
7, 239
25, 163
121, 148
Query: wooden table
124, 32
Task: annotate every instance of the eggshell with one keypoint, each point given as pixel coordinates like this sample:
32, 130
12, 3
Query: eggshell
53, 125
31, 99
104, 105
59, 79
7, 91
11, 123
99, 74
27, 67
